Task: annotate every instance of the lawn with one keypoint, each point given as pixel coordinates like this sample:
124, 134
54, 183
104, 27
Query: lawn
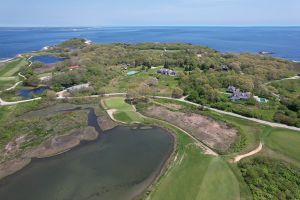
124, 112
128, 117
284, 141
4, 84
117, 103
139, 81
193, 175
11, 68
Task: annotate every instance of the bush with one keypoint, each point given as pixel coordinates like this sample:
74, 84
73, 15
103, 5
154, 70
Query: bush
270, 179
177, 93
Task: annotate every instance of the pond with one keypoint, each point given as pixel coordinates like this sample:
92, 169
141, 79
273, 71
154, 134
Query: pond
131, 73
47, 59
121, 164
30, 93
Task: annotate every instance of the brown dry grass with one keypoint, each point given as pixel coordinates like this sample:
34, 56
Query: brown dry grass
214, 134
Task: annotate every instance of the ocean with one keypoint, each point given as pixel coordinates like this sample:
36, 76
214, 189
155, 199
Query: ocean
284, 42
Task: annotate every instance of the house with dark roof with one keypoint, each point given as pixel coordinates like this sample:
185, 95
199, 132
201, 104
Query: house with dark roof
165, 71
236, 94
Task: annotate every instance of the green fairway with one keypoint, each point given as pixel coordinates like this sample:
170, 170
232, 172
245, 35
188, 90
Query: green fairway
123, 111
194, 175
128, 116
197, 176
11, 68
7, 83
9, 78
117, 103
284, 141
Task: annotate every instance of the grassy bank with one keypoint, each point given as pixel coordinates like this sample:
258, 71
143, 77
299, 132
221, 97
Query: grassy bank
12, 68
191, 174
284, 141
272, 173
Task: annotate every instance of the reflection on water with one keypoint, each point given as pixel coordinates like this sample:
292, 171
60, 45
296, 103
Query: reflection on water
119, 165
30, 93
47, 59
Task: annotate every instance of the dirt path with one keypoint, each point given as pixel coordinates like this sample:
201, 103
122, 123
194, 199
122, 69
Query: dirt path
111, 112
14, 86
5, 103
201, 145
206, 149
289, 78
253, 152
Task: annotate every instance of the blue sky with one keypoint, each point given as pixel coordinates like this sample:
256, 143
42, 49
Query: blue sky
149, 12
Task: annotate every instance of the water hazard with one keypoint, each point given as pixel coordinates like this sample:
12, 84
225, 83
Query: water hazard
121, 164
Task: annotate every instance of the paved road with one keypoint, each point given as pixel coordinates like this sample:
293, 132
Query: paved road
273, 124
5, 103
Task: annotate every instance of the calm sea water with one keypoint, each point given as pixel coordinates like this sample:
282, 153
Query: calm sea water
283, 41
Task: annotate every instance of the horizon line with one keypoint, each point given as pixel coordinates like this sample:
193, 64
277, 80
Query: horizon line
136, 26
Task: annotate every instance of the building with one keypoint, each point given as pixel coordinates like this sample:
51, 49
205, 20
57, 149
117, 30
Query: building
77, 88
260, 99
73, 67
236, 94
168, 72
224, 67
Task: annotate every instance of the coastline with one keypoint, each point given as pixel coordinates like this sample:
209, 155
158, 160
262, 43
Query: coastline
55, 145
164, 167
7, 60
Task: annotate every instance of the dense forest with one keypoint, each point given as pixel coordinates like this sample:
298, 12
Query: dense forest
269, 179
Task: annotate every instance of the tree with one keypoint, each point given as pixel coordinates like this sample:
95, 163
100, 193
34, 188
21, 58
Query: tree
51, 95
177, 93
33, 81
37, 64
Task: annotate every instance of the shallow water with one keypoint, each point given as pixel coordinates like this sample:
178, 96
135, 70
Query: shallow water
119, 165
47, 59
29, 93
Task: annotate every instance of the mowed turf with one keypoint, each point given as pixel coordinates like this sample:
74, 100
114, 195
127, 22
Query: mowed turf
117, 103
4, 84
11, 68
197, 176
284, 141
193, 175
124, 112
127, 116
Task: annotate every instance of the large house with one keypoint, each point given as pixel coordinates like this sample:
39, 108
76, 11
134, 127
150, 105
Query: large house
77, 88
236, 94
168, 72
